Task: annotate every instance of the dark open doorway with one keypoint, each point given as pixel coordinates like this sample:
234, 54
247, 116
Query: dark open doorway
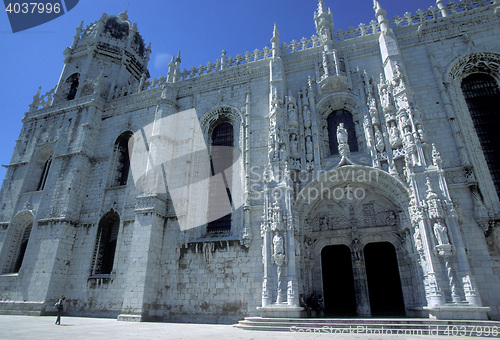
384, 283
338, 281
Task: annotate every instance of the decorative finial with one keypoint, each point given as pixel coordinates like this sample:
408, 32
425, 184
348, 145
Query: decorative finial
431, 194
275, 42
178, 60
323, 19
123, 16
380, 14
442, 7
321, 7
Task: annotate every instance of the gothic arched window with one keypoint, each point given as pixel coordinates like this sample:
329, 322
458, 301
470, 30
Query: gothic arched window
72, 84
22, 248
105, 246
221, 159
482, 95
45, 172
39, 171
16, 244
333, 120
122, 159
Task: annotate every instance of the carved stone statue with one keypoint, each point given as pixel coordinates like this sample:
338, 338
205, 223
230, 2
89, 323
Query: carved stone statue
278, 248
341, 134
271, 149
394, 138
418, 239
379, 139
294, 148
307, 117
441, 233
309, 148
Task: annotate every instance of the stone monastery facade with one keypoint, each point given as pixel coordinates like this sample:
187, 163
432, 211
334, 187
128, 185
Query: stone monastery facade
366, 161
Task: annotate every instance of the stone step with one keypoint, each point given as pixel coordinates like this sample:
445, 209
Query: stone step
31, 308
374, 326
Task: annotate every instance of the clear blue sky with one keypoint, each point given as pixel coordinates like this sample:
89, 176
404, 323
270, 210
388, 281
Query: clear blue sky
201, 29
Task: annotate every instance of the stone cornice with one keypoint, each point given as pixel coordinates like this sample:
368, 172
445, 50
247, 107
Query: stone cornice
456, 25
61, 108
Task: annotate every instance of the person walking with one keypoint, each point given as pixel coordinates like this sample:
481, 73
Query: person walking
60, 308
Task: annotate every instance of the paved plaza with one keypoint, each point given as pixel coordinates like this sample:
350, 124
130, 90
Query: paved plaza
76, 328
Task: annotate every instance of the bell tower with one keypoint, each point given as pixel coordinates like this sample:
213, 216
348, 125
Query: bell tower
108, 54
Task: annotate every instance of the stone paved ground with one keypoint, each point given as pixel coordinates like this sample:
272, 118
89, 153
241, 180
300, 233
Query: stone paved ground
73, 328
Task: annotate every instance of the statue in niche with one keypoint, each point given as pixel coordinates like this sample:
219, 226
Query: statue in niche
323, 223
279, 142
357, 250
394, 136
282, 152
309, 148
271, 149
372, 106
380, 145
341, 134
292, 111
417, 239
391, 217
421, 133
441, 233
307, 117
278, 248
294, 147
385, 97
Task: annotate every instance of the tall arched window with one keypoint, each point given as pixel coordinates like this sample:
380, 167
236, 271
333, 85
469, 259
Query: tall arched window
72, 84
333, 120
105, 246
22, 248
221, 159
39, 169
122, 159
45, 172
482, 95
16, 244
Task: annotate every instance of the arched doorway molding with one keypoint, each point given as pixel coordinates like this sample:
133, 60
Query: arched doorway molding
382, 189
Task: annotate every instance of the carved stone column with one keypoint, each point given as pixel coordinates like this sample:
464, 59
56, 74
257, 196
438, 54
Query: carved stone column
360, 280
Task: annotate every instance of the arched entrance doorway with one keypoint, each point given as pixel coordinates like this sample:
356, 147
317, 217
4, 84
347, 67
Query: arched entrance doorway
384, 283
338, 281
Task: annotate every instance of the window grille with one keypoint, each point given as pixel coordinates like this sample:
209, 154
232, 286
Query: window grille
482, 95
22, 248
105, 246
122, 166
221, 159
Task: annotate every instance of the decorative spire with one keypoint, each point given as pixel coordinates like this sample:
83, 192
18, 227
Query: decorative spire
171, 70
77, 35
147, 56
177, 71
381, 14
321, 7
323, 20
442, 7
275, 41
